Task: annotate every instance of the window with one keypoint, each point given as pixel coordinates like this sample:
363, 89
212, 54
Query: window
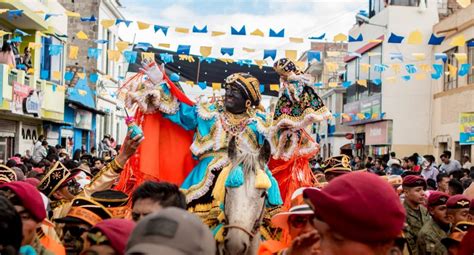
470, 59
450, 82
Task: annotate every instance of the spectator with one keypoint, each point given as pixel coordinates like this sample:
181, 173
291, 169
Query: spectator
372, 225
466, 162
456, 174
153, 196
455, 187
6, 55
40, 152
26, 59
184, 234
336, 166
442, 181
98, 164
104, 146
448, 164
429, 171
10, 228
16, 52
412, 163
77, 155
109, 237
395, 167
93, 151
431, 184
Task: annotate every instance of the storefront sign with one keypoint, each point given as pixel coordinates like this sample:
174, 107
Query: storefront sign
33, 103
83, 119
378, 133
368, 105
20, 92
466, 125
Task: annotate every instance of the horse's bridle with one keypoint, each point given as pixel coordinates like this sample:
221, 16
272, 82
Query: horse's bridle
253, 231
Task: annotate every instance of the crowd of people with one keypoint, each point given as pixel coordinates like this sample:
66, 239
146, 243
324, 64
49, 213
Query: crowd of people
10, 55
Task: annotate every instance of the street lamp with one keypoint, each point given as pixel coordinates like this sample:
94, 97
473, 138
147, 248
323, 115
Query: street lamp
361, 19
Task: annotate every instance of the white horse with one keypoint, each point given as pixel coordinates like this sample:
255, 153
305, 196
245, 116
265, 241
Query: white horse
244, 205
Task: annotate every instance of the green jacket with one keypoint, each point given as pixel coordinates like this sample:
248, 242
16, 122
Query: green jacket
429, 239
414, 222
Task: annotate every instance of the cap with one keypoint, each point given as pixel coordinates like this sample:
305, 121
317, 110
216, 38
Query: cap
171, 231
55, 177
115, 201
458, 202
412, 181
84, 168
7, 174
337, 164
84, 210
29, 197
393, 161
457, 234
115, 231
298, 207
394, 180
360, 206
437, 198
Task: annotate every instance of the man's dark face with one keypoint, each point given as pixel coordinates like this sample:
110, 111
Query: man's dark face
444, 159
234, 100
73, 237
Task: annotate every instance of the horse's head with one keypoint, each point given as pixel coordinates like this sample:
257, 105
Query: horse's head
244, 204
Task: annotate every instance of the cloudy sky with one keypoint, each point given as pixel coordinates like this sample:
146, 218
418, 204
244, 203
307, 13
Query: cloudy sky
299, 18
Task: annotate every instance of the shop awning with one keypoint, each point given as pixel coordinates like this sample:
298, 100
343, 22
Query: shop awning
85, 107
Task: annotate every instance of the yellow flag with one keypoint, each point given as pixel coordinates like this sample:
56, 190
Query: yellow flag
461, 57
217, 33
33, 45
81, 35
226, 60
419, 56
274, 87
375, 41
373, 54
188, 58
216, 86
291, 54
396, 68
190, 83
459, 40
260, 63
391, 79
148, 55
300, 64
164, 45
362, 83
56, 75
333, 53
205, 51
142, 25
248, 49
182, 30
425, 67
453, 70
340, 38
114, 55
332, 66
81, 75
420, 76
73, 51
332, 84
257, 32
464, 3
2, 33
415, 37
361, 116
72, 14
41, 34
121, 45
106, 23
296, 40
364, 67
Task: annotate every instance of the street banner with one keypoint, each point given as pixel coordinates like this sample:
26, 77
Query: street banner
466, 124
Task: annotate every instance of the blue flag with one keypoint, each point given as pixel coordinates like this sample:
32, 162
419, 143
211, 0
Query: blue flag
130, 56
360, 38
269, 53
202, 85
272, 33
234, 31
434, 40
395, 38
202, 30
314, 55
94, 53
183, 49
55, 49
164, 29
317, 37
228, 51
438, 68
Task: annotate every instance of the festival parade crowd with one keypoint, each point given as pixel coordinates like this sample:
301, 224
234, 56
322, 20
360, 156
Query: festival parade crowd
250, 182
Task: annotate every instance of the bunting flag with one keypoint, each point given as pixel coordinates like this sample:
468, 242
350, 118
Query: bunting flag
182, 30
415, 38
359, 38
272, 33
33, 45
453, 70
332, 66
72, 14
406, 77
142, 25
340, 38
130, 56
464, 70
464, 3
68, 76
121, 45
260, 63
269, 53
190, 83
165, 57
257, 32
248, 50
163, 29
291, 54
101, 41
314, 55
419, 56
89, 19
164, 45
420, 76
332, 84
461, 57
396, 68
81, 35
73, 51
217, 33
395, 38
459, 41
127, 22
216, 86
94, 53
14, 13
346, 84
321, 37
188, 58
183, 49
205, 51
438, 68
377, 82
435, 40
425, 68
296, 40
2, 33
55, 49
441, 56
56, 75
202, 30
114, 55
107, 23
379, 68
411, 69
274, 87
364, 67
20, 32
228, 51
374, 54
202, 85
396, 55
234, 31
362, 83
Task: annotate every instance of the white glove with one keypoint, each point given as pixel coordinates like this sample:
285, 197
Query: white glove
155, 74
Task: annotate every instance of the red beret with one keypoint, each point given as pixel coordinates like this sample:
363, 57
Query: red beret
458, 202
360, 206
117, 232
437, 198
29, 196
414, 181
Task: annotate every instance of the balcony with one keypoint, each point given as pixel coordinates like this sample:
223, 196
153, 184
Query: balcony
29, 20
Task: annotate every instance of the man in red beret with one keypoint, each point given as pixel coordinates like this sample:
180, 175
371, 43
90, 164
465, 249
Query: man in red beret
414, 187
356, 213
430, 235
108, 237
29, 204
458, 209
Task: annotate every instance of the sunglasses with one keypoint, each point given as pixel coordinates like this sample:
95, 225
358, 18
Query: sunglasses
300, 221
75, 230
